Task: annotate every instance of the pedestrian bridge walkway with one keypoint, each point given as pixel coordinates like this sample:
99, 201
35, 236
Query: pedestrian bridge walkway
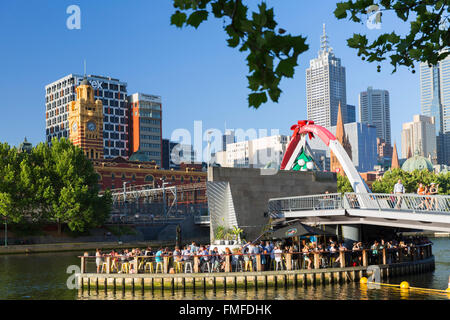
430, 212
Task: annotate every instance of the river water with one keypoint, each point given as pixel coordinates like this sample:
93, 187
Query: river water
44, 276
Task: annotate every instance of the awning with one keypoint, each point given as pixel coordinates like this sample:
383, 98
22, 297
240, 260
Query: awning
296, 230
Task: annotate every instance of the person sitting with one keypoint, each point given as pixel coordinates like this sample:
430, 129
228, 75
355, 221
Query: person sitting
433, 191
421, 191
216, 260
277, 252
305, 252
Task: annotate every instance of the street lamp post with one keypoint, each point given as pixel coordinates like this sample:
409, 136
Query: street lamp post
209, 152
125, 195
6, 232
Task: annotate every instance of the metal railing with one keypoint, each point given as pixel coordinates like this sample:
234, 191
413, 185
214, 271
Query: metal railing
401, 202
329, 201
202, 219
439, 204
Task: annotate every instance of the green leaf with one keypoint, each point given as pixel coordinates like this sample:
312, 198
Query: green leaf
256, 99
178, 19
197, 17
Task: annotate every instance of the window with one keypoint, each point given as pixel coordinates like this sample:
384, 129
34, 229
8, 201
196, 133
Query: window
173, 178
149, 178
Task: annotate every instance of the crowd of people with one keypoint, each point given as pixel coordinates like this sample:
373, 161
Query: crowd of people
272, 256
427, 203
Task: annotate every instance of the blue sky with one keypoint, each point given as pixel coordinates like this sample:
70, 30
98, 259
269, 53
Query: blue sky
197, 75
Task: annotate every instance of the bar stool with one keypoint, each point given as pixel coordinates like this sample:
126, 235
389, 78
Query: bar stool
114, 265
178, 266
159, 264
150, 267
125, 267
248, 265
278, 263
104, 267
186, 264
294, 264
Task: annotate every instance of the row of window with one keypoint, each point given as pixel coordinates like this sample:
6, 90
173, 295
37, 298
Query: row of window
150, 129
151, 145
150, 178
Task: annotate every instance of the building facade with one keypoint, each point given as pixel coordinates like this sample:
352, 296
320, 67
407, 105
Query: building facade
114, 172
257, 153
112, 93
227, 138
384, 150
435, 102
325, 86
419, 137
374, 109
145, 124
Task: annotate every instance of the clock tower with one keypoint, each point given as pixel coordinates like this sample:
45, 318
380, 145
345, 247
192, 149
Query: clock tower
86, 121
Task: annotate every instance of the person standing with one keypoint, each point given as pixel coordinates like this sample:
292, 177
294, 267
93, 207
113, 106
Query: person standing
98, 259
399, 189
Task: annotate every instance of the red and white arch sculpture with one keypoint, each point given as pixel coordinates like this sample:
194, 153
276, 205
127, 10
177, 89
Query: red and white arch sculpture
298, 141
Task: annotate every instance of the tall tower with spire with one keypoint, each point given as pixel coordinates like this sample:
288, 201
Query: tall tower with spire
342, 137
325, 86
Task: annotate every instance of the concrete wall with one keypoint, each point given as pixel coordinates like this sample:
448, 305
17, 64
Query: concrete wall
251, 191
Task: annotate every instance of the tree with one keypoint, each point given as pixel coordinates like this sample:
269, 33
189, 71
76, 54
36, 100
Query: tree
411, 180
343, 184
73, 197
426, 41
273, 55
55, 183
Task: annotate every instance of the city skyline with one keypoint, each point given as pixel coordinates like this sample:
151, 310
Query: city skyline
191, 91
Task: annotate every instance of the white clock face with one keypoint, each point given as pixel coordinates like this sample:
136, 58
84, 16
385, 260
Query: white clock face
74, 127
91, 126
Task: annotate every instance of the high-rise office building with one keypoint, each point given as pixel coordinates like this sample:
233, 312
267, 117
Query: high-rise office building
435, 102
374, 109
227, 138
325, 86
419, 137
112, 93
145, 125
351, 114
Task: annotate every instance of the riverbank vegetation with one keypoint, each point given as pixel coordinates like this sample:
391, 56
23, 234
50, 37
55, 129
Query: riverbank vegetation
51, 184
410, 180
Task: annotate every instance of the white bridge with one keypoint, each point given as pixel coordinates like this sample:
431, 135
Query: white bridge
430, 212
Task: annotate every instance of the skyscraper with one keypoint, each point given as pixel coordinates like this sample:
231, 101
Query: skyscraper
419, 137
435, 102
112, 93
325, 86
374, 109
145, 125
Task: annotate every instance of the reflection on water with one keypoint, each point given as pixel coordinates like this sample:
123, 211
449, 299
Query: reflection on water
43, 276
351, 291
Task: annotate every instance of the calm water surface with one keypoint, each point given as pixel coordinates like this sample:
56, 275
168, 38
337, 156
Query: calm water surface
43, 276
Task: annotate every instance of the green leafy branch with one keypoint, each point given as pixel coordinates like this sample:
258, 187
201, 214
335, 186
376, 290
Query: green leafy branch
427, 40
271, 54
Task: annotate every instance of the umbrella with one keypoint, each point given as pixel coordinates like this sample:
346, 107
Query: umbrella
296, 230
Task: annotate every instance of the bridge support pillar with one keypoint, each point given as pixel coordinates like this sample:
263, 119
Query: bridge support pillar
352, 232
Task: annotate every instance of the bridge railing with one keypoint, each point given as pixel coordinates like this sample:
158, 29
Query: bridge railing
328, 201
401, 202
